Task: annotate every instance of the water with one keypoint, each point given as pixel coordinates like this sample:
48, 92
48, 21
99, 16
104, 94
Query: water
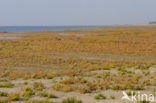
9, 37
41, 28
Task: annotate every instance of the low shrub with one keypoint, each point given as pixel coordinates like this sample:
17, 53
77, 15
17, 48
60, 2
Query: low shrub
71, 100
49, 95
39, 101
4, 101
112, 97
6, 85
14, 97
117, 87
3, 94
38, 86
84, 89
25, 83
50, 75
100, 97
27, 93
143, 101
130, 93
146, 73
64, 87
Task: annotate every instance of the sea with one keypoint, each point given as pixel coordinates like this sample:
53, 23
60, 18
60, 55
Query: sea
42, 28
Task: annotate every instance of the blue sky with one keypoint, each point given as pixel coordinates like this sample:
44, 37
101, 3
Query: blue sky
76, 12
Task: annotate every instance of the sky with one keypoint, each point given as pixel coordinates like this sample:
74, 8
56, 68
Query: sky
76, 12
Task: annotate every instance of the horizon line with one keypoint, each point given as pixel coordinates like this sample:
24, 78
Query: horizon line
76, 25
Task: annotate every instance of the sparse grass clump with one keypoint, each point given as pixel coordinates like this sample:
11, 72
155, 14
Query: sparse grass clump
39, 101
14, 97
50, 75
6, 85
71, 100
38, 86
117, 87
130, 93
64, 87
112, 97
144, 101
27, 92
146, 73
25, 83
84, 89
49, 95
154, 80
4, 101
3, 94
100, 97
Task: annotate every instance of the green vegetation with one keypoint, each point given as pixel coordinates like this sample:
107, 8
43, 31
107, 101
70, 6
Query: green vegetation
3, 94
71, 100
14, 97
112, 97
4, 101
84, 61
38, 101
27, 92
6, 85
130, 93
49, 95
38, 86
25, 83
143, 101
100, 97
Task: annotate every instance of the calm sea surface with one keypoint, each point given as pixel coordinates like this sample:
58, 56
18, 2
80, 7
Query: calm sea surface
40, 28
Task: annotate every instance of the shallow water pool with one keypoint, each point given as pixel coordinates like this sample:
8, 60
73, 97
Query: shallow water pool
10, 37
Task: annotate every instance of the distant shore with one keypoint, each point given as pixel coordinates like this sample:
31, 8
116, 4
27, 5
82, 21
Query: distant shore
5, 29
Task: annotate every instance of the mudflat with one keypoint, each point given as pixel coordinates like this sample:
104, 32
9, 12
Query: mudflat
85, 66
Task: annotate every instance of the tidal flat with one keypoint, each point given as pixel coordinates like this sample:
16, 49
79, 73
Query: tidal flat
77, 66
